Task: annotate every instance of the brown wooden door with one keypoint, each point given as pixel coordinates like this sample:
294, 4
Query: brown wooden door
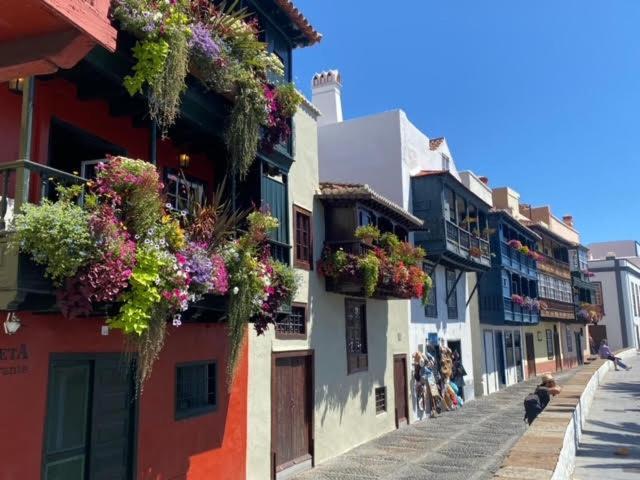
292, 409
531, 355
400, 389
556, 347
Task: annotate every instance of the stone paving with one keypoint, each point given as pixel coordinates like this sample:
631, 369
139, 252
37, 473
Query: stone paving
610, 444
466, 444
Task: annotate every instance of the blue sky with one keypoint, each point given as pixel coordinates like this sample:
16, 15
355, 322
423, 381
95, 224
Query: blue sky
543, 96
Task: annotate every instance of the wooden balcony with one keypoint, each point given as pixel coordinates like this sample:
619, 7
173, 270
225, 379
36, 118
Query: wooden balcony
517, 313
353, 285
470, 248
22, 282
41, 36
557, 310
510, 257
554, 267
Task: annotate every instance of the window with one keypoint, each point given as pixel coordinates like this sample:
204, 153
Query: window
365, 217
293, 325
381, 399
549, 344
452, 292
598, 293
431, 305
183, 191
569, 340
196, 389
449, 205
445, 162
303, 246
275, 198
508, 346
356, 336
554, 288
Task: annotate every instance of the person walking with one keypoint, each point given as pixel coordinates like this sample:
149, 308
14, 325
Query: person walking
606, 353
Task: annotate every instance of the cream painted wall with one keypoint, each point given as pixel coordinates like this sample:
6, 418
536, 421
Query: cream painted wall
344, 405
477, 341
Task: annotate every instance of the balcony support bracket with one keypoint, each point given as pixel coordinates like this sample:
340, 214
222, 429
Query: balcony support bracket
475, 287
455, 285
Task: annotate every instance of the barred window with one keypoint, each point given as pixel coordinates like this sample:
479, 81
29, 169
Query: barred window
196, 389
381, 399
293, 325
431, 305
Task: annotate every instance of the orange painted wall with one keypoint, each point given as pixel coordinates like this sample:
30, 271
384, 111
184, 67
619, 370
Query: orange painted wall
200, 448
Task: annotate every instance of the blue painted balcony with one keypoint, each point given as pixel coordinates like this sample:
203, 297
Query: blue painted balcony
456, 233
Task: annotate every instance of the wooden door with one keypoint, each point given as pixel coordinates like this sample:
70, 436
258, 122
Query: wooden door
579, 349
400, 389
292, 409
597, 333
112, 420
531, 355
90, 419
556, 347
491, 376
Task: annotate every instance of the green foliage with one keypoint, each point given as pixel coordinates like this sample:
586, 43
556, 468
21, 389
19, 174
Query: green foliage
144, 296
287, 281
57, 236
288, 98
370, 267
368, 232
151, 57
427, 286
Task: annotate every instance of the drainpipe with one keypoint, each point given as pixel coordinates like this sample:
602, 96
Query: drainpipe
153, 146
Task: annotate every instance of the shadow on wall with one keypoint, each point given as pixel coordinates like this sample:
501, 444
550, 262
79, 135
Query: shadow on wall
334, 387
203, 446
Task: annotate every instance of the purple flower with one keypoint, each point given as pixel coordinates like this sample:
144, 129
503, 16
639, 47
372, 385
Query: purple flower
202, 43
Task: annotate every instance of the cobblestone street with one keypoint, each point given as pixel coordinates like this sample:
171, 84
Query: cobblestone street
467, 444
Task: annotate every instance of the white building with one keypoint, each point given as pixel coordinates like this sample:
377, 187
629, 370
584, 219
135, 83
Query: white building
386, 151
616, 269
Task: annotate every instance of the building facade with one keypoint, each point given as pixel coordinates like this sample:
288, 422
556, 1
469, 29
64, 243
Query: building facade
388, 152
616, 268
508, 296
73, 401
336, 374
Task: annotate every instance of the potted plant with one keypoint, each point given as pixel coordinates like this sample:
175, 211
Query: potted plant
368, 234
517, 299
515, 244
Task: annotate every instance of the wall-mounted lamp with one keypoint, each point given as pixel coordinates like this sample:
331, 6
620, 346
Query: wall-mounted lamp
12, 324
185, 160
16, 85
539, 336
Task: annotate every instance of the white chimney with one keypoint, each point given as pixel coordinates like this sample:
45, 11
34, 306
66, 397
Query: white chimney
327, 96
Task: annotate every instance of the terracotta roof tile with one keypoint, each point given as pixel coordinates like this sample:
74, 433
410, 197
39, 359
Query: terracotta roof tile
300, 21
359, 191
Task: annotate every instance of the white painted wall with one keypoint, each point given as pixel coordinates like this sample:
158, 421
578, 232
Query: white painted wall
384, 150
629, 277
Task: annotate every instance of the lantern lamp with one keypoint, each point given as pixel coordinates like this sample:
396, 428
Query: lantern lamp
185, 160
16, 85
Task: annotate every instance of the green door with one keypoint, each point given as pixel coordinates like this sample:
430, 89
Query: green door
90, 415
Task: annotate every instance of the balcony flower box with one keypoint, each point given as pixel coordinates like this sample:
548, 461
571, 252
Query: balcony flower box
390, 269
124, 247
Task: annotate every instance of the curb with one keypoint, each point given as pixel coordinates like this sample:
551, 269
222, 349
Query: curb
547, 450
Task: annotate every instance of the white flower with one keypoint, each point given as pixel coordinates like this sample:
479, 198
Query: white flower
235, 290
158, 15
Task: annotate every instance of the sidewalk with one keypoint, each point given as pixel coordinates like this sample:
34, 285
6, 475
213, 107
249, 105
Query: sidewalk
466, 444
610, 446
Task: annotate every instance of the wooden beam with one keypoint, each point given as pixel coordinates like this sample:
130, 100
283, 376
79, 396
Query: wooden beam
42, 55
88, 16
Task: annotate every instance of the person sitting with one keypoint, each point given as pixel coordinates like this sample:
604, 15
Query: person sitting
606, 353
536, 402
